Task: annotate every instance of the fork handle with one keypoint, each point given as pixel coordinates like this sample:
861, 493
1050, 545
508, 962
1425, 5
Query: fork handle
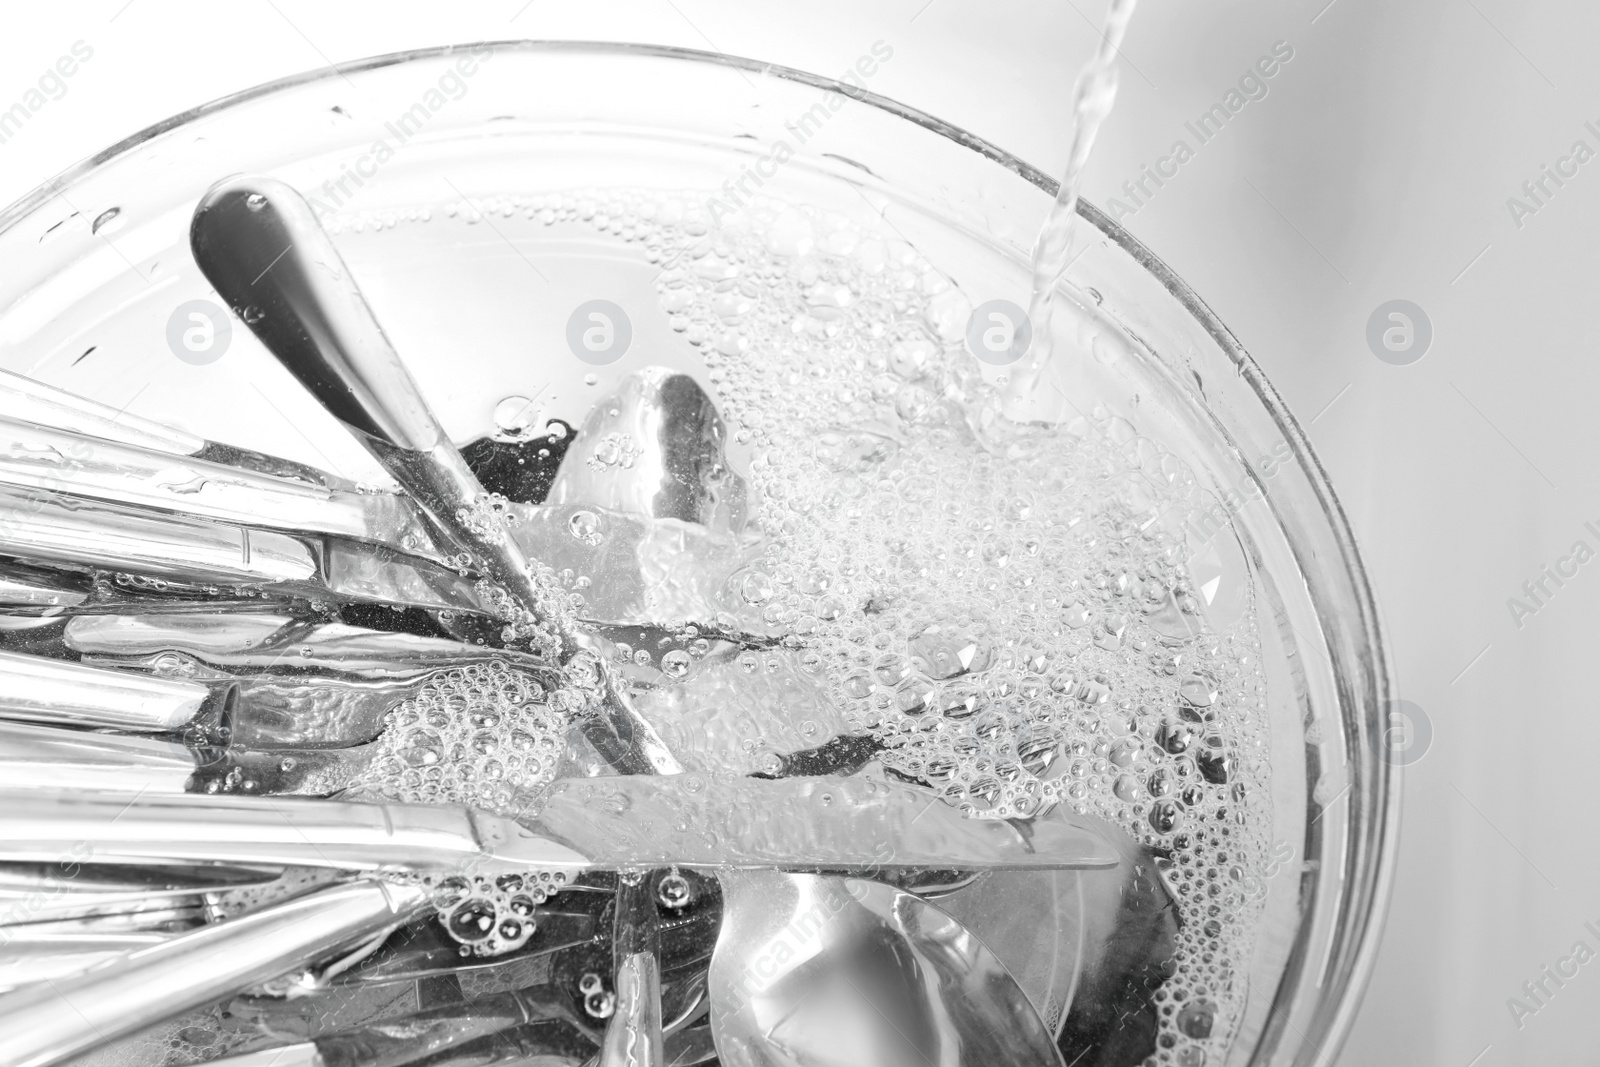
51, 1022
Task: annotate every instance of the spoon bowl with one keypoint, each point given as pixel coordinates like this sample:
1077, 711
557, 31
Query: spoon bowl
812, 970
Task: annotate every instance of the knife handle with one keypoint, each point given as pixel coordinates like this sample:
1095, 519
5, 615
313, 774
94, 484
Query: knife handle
44, 690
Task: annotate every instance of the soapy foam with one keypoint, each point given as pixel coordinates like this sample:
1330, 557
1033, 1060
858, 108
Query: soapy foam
1015, 619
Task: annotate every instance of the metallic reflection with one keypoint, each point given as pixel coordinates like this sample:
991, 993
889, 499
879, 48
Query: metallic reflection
835, 972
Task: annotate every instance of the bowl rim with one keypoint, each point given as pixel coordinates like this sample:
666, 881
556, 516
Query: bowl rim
1370, 872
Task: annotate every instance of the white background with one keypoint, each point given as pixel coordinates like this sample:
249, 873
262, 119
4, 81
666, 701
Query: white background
1378, 167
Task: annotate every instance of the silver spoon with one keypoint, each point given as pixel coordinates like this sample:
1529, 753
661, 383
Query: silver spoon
812, 970
259, 243
682, 470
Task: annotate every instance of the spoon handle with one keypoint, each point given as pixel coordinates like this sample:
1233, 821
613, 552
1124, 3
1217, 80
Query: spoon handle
259, 243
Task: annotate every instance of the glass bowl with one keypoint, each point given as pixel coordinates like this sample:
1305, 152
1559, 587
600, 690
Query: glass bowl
430, 169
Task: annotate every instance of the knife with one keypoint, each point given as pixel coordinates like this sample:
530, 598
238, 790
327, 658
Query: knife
623, 822
45, 690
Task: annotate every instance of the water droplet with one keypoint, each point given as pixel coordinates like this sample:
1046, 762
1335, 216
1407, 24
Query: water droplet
1125, 752
1215, 767
585, 526
857, 686
472, 920
1196, 1018
757, 587
944, 651
675, 664
1175, 737
601, 1005
1198, 690
449, 892
514, 419
674, 891
913, 697
891, 670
